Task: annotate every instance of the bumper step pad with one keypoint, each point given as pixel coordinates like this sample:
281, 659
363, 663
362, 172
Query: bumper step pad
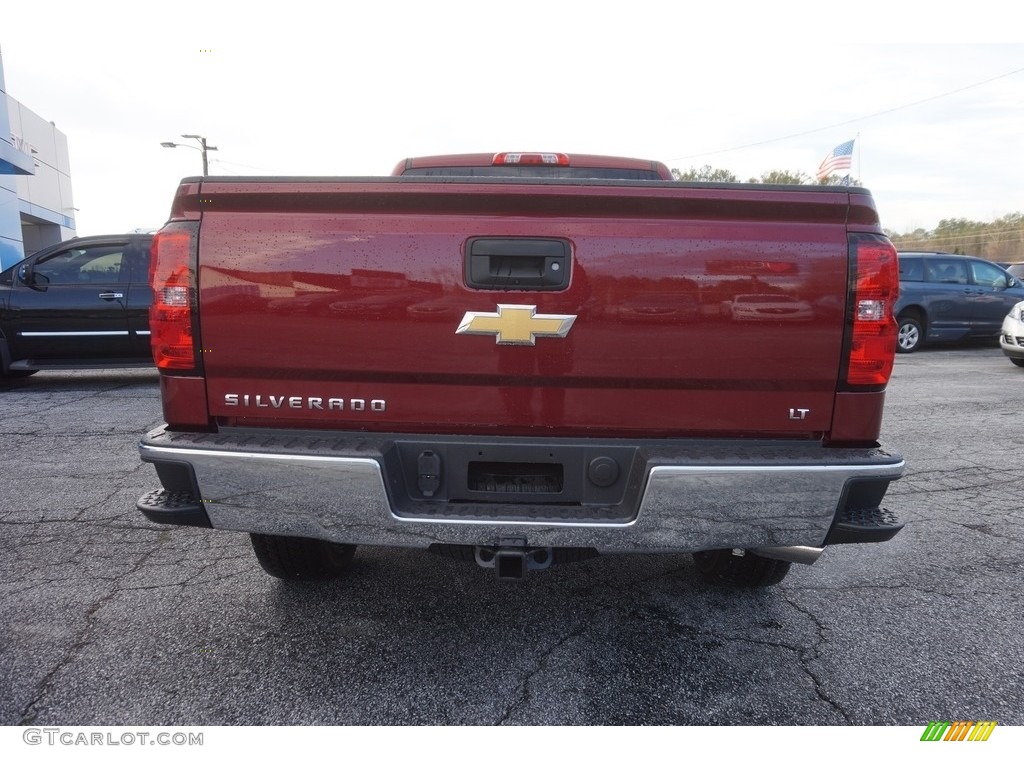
173, 508
863, 526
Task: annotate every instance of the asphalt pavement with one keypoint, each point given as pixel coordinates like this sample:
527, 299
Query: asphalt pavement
108, 619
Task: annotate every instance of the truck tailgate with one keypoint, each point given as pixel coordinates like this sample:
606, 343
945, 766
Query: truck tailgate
690, 310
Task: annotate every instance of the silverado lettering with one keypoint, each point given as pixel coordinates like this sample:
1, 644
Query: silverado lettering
720, 392
294, 401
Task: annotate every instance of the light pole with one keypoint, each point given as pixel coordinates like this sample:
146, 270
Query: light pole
203, 148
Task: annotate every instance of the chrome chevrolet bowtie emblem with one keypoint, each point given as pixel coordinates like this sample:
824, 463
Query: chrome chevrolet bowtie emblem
516, 324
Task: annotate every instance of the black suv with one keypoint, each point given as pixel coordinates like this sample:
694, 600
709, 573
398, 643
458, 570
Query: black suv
83, 303
948, 297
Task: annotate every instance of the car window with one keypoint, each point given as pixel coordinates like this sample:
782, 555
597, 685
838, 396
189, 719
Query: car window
81, 265
911, 269
136, 263
947, 271
988, 275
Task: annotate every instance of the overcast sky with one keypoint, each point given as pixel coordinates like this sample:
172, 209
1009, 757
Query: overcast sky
304, 88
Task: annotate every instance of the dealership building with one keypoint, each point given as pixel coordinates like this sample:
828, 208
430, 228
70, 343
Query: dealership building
36, 208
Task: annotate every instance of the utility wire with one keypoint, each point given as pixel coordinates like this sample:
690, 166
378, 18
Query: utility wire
854, 120
228, 171
251, 167
912, 237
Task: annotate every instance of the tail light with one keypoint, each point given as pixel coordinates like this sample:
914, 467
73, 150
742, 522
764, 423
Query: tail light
871, 328
171, 315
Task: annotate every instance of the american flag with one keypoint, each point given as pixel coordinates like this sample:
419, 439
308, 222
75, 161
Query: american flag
838, 158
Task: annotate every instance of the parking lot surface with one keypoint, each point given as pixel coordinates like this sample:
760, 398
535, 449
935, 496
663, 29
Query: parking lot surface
107, 619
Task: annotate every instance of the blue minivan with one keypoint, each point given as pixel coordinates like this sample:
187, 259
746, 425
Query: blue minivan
949, 297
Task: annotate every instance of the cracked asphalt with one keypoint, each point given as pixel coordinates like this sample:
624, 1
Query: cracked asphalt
107, 619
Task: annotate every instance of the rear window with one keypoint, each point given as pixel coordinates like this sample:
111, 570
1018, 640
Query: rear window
539, 171
911, 269
947, 271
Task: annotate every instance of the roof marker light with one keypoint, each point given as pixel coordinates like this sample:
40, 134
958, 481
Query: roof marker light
530, 158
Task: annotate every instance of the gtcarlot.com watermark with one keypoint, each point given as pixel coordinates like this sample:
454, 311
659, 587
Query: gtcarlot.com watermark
70, 737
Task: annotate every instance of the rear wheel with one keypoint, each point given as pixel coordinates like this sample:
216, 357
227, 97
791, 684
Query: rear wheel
297, 559
18, 374
910, 334
739, 568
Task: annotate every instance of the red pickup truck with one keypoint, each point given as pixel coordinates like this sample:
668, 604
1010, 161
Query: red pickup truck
521, 360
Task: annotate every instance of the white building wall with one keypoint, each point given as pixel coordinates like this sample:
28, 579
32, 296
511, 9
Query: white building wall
45, 200
36, 204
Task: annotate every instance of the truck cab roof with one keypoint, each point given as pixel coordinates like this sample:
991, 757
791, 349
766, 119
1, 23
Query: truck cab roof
535, 164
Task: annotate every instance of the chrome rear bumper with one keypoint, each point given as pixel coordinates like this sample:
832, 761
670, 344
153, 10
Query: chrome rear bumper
774, 497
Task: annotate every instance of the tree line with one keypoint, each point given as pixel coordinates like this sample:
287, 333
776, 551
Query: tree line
999, 240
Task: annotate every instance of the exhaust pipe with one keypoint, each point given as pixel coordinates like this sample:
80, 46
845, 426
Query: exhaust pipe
801, 555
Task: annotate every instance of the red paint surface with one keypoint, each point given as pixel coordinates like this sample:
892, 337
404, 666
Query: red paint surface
354, 289
184, 401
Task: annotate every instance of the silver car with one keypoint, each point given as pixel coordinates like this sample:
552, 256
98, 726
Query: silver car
1011, 338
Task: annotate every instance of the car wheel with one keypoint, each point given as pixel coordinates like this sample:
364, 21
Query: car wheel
1017, 361
909, 335
297, 559
18, 374
739, 568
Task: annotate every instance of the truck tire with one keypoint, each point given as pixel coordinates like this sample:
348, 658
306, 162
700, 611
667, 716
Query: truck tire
297, 559
910, 333
724, 566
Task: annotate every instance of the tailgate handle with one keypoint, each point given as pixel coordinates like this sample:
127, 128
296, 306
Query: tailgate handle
517, 263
